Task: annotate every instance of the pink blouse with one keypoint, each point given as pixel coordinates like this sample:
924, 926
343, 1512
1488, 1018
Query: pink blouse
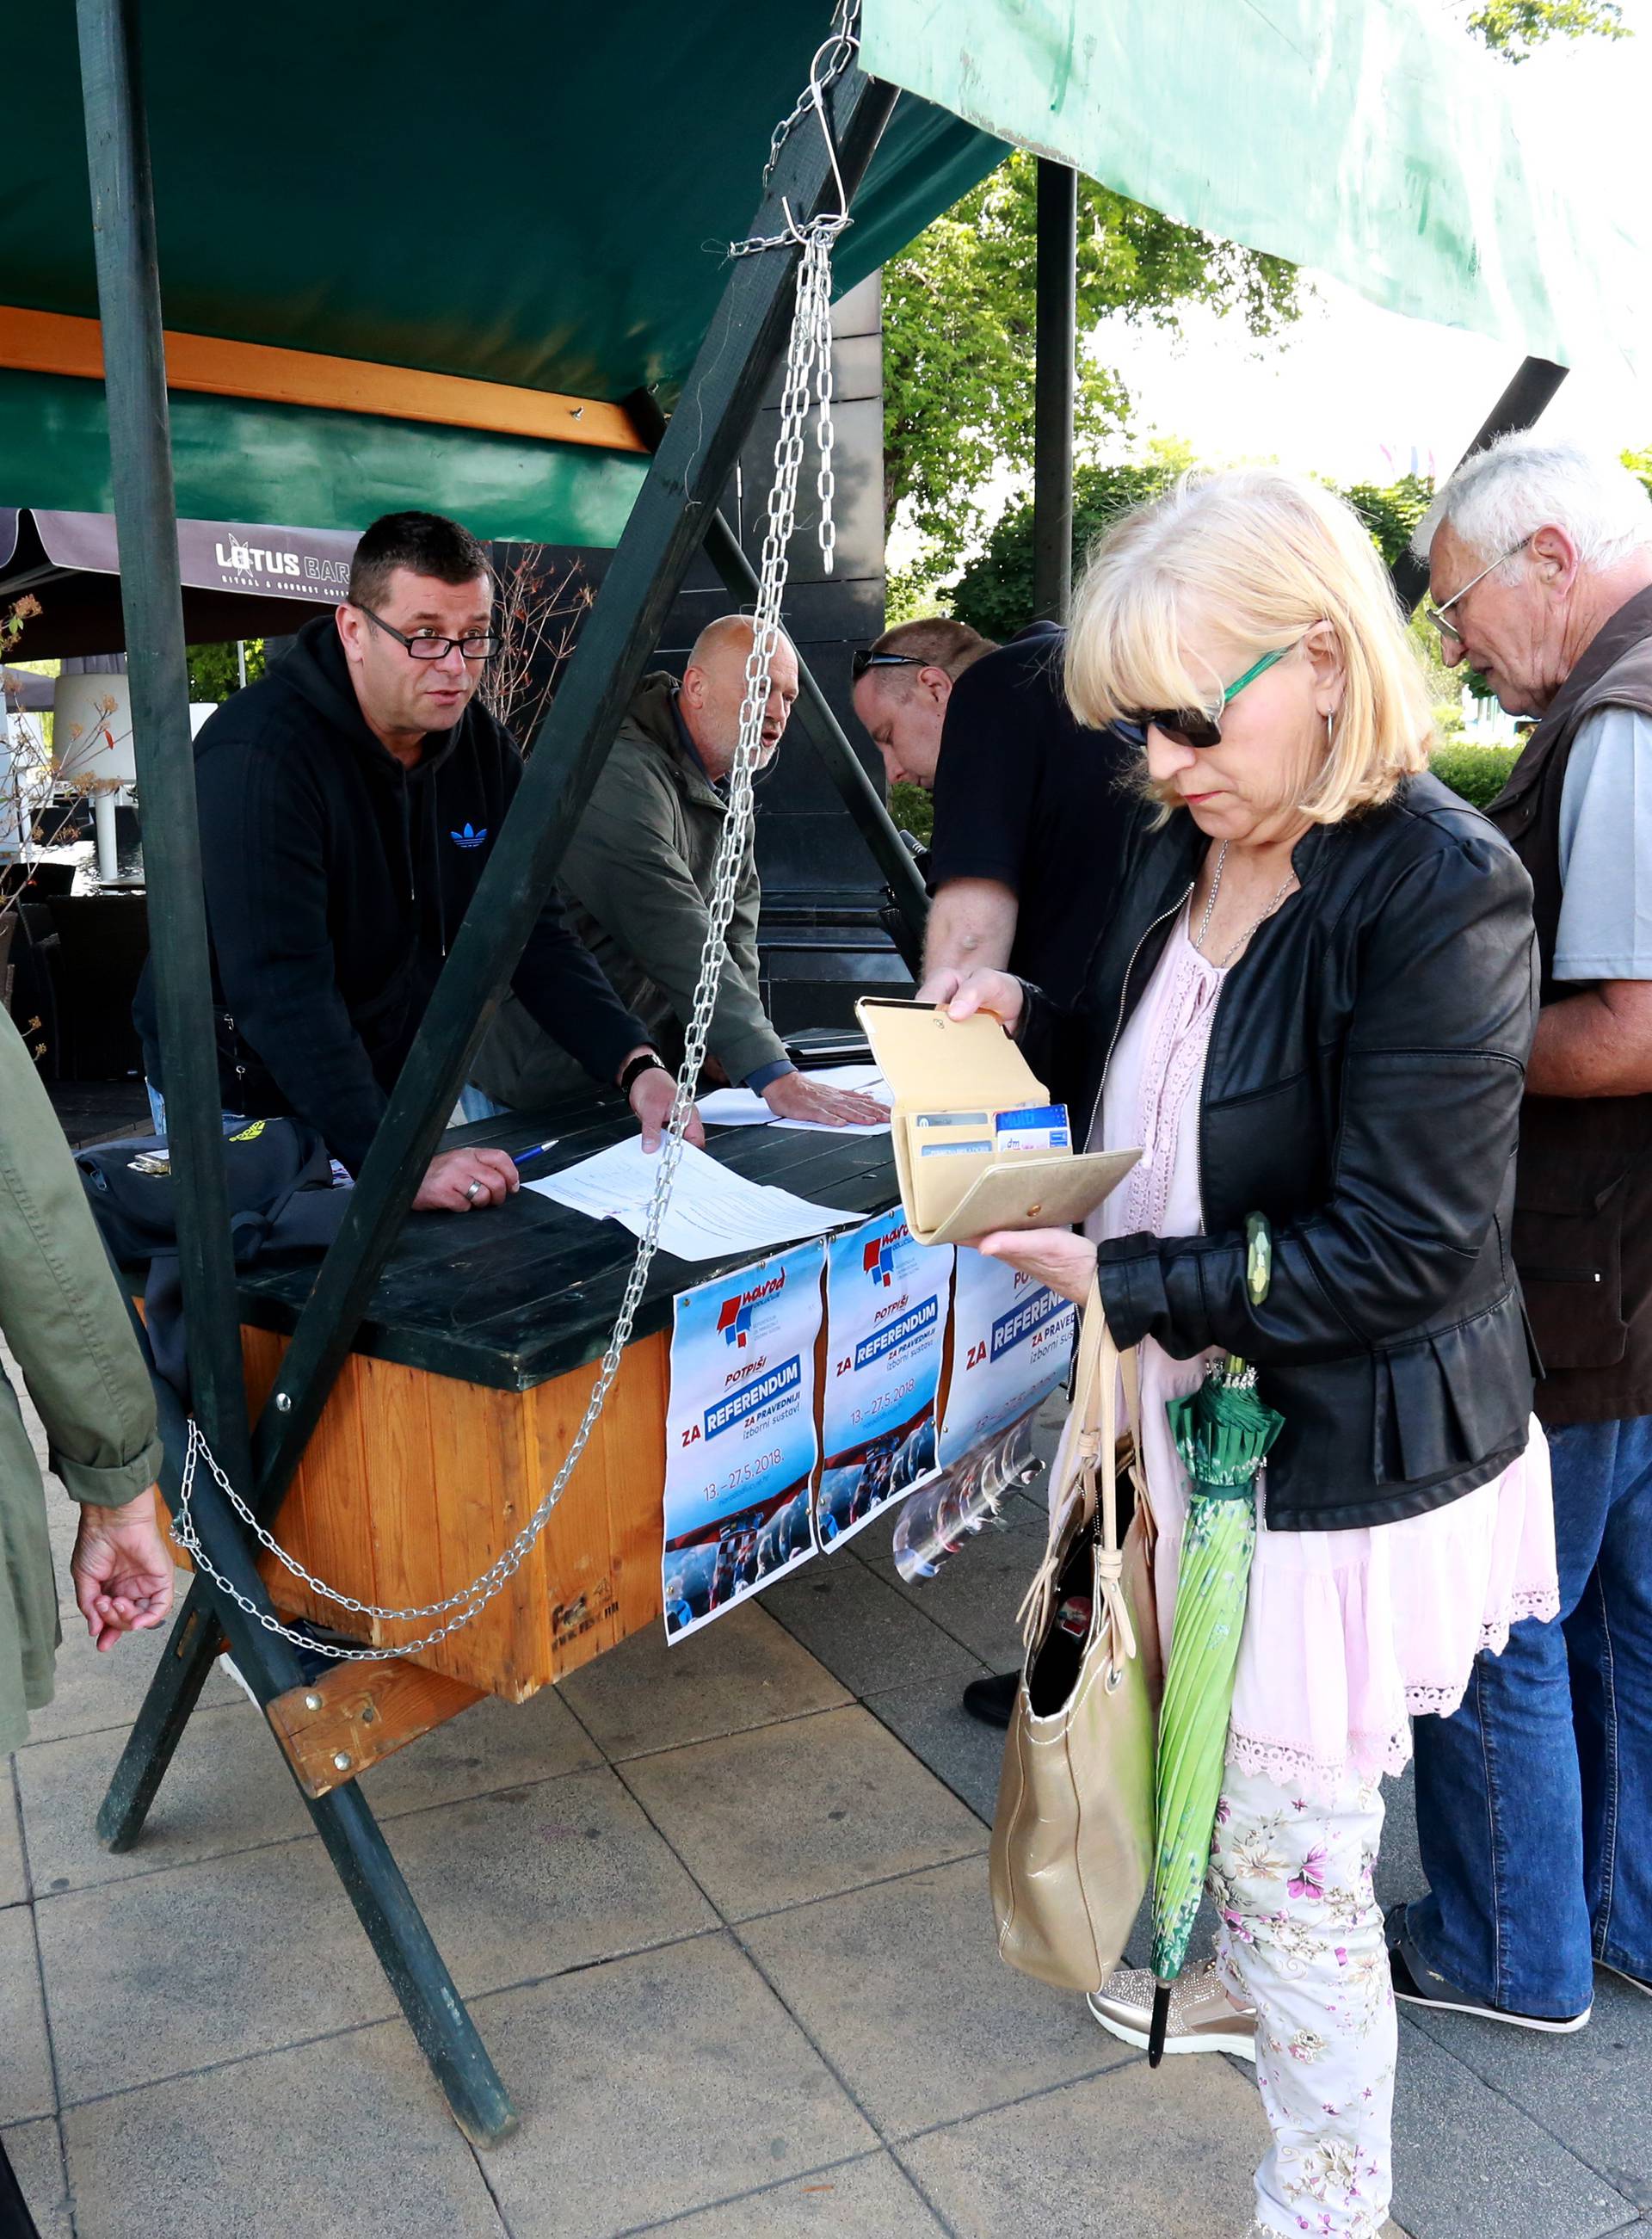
1348, 1635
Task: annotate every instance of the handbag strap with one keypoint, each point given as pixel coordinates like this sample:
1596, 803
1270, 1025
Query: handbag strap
1095, 1406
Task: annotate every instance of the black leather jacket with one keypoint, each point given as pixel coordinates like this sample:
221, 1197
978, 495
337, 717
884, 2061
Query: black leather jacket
1362, 1089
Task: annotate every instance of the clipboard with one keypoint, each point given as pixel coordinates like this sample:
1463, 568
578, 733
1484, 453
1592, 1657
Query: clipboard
950, 1076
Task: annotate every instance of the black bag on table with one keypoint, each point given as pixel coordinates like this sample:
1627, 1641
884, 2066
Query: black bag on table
281, 1199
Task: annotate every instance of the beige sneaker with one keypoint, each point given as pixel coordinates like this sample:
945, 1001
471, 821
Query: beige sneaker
1204, 2018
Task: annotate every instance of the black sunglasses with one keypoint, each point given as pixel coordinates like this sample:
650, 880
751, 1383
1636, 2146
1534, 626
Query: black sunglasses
864, 659
1196, 726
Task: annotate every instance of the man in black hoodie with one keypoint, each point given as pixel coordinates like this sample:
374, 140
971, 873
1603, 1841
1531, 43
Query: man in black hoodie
348, 801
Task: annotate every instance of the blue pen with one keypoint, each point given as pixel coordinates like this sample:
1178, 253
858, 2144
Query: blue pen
521, 1158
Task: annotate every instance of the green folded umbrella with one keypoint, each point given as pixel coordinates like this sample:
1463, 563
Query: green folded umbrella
1222, 1432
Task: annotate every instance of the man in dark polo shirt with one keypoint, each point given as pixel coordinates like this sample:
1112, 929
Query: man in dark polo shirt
1031, 811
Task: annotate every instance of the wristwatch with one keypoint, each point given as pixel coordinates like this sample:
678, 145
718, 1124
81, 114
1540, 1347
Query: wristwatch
633, 1071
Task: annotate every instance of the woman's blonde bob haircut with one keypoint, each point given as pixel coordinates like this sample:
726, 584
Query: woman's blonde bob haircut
1255, 557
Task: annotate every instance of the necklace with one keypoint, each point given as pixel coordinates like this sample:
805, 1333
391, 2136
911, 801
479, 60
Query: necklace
1220, 963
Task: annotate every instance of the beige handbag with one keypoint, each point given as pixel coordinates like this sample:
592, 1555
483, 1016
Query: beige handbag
1072, 1842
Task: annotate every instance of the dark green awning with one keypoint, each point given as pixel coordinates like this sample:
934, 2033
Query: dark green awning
518, 196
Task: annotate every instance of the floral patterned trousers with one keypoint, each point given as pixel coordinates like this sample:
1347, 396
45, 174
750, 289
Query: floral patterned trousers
1302, 1941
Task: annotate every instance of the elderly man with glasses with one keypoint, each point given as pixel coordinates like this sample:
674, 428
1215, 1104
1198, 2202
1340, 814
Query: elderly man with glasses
1535, 1801
347, 802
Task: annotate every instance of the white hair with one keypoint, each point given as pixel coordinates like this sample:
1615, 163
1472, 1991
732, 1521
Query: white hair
1525, 481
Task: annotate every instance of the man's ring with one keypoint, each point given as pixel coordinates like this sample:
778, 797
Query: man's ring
472, 1192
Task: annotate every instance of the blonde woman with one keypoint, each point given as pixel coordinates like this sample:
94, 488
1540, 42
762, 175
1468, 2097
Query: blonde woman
1313, 999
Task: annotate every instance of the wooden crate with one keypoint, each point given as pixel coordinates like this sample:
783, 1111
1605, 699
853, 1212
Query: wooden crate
413, 1484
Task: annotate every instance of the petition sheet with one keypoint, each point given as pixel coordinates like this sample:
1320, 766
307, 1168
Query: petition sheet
885, 1326
740, 1443
1012, 1343
712, 1210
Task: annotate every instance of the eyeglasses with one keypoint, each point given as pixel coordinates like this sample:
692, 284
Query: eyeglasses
1437, 615
1192, 727
864, 659
426, 645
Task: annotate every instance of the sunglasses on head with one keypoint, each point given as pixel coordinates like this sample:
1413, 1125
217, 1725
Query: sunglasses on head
864, 659
1194, 726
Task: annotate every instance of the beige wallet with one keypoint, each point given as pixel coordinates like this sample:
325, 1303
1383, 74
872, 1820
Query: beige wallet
951, 1078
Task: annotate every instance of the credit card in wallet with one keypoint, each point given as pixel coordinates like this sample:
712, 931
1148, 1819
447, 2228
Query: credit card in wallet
949, 1119
981, 1144
1032, 1127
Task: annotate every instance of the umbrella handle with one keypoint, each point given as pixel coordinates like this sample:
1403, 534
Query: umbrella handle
1258, 1257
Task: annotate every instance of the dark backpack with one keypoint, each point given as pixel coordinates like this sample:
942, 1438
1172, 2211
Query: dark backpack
281, 1199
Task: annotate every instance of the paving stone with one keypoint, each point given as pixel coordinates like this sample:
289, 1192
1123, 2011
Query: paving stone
958, 1749
37, 2163
1468, 2164
808, 1809
535, 1879
653, 2086
93, 1692
869, 2199
744, 1671
347, 2137
902, 1988
1590, 2091
1130, 2155
234, 1955
13, 1879
25, 2057
865, 1633
977, 1591
203, 1962
228, 1788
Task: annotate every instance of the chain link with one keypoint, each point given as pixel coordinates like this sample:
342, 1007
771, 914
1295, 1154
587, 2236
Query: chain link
807, 383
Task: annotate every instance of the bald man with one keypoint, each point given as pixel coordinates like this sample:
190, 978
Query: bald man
637, 879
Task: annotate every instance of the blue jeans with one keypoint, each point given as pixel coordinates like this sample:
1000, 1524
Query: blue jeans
476, 1104
157, 1112
1534, 1803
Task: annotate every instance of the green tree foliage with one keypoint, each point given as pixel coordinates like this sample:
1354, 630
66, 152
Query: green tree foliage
213, 672
1391, 512
994, 593
959, 336
1515, 28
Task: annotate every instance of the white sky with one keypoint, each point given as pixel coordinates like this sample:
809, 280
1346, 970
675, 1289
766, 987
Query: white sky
1356, 393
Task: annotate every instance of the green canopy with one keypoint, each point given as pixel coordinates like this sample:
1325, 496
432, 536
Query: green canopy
520, 196
1361, 137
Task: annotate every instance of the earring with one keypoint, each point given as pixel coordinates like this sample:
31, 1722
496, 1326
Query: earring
1331, 736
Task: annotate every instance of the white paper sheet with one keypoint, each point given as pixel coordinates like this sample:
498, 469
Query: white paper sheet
713, 1213
744, 1108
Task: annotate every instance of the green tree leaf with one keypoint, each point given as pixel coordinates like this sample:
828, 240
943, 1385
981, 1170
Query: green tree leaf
959, 337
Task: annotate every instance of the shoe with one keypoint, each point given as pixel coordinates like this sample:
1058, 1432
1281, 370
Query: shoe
1416, 1983
231, 1670
1621, 1975
312, 1662
992, 1701
1204, 2018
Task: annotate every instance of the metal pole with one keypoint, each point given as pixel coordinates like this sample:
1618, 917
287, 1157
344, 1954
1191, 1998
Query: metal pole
1521, 405
146, 521
814, 716
720, 400
1056, 348
128, 297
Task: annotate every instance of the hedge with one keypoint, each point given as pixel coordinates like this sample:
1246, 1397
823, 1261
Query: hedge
1477, 772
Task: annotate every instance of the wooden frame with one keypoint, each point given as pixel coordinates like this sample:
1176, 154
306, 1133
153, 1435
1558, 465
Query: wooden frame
52, 341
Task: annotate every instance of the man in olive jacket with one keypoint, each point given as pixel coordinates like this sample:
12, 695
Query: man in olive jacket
637, 878
62, 1317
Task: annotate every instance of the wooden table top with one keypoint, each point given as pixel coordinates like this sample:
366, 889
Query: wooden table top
522, 1291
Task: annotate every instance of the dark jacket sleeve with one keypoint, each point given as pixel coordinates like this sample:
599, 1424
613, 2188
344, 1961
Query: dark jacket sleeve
1433, 1074
563, 987
264, 865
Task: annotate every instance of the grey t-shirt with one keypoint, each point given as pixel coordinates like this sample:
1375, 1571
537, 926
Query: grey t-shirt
1605, 929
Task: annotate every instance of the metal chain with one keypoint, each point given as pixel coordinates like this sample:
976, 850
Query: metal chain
808, 382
